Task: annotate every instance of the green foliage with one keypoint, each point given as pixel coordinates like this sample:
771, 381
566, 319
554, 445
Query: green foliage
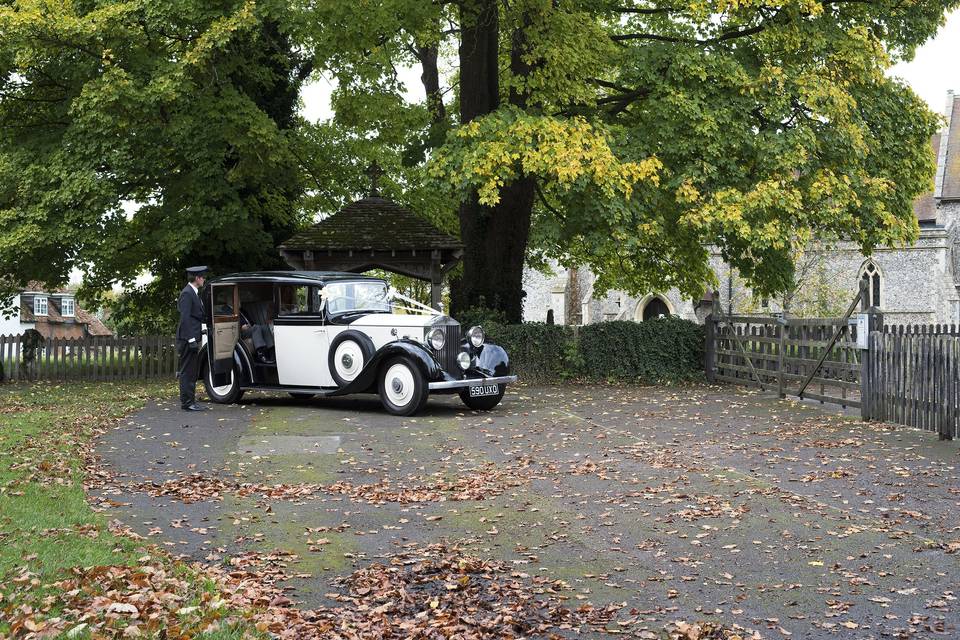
483, 316
538, 352
650, 352
150, 310
139, 136
662, 350
144, 136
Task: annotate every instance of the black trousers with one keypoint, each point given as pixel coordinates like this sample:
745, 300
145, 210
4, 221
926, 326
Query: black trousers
261, 335
187, 372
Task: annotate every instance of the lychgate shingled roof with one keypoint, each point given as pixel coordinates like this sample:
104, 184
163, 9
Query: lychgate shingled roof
372, 223
376, 233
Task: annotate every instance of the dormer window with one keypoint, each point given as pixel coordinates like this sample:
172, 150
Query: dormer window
40, 306
67, 307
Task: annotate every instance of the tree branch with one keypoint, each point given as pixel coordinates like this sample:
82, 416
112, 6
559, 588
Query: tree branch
645, 11
731, 34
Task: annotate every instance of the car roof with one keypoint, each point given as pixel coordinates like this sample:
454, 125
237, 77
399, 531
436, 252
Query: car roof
293, 277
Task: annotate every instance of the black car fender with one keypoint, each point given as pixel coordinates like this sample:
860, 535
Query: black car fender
493, 360
241, 362
416, 352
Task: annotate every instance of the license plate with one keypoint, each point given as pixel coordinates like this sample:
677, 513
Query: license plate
480, 390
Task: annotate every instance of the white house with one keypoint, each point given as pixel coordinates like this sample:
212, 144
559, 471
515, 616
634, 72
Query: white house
54, 313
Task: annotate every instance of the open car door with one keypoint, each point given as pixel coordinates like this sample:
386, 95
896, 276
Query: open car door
225, 312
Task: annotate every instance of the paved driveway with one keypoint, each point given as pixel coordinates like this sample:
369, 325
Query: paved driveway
682, 503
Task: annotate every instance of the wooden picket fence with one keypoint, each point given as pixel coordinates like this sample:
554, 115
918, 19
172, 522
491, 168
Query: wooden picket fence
914, 380
923, 329
90, 358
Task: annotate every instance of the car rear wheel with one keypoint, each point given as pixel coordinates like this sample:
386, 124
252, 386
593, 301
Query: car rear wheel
483, 403
403, 389
225, 393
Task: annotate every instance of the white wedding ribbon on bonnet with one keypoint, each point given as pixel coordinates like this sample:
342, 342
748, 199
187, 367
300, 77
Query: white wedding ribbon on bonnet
417, 307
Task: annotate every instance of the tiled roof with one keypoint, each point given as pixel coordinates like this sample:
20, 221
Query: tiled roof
372, 223
925, 207
34, 285
81, 316
94, 326
951, 169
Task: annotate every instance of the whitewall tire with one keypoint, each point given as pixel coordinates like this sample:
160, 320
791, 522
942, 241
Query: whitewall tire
403, 389
223, 394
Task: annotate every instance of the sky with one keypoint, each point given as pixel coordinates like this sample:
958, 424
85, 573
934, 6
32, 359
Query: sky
934, 69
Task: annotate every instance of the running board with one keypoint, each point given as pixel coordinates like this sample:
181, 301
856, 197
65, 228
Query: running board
325, 391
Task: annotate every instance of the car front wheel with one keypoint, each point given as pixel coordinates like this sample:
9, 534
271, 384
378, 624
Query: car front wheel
223, 394
403, 389
483, 403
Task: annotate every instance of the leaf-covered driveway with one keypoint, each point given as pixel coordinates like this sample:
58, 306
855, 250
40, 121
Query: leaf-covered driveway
653, 504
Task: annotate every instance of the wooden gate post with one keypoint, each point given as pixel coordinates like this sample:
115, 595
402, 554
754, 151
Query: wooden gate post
869, 393
782, 324
710, 349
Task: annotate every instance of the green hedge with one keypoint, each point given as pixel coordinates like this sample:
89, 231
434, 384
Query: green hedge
658, 350
538, 352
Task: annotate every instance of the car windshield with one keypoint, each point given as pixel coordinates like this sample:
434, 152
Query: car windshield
346, 297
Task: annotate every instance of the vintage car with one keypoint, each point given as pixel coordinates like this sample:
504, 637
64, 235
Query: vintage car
325, 333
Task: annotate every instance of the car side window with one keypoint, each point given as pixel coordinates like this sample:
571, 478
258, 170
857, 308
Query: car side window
297, 300
223, 300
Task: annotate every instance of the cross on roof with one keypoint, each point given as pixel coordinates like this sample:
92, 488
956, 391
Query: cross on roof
374, 172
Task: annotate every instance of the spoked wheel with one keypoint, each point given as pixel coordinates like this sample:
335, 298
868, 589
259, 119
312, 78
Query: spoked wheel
403, 390
483, 403
226, 393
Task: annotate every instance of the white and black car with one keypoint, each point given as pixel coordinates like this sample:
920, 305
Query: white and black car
339, 333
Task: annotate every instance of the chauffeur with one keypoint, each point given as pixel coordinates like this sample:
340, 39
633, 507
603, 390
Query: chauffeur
189, 337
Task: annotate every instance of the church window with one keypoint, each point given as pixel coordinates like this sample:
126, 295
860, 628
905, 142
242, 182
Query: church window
870, 273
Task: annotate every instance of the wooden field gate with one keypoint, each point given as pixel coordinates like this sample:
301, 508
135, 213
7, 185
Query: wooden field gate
905, 374
815, 358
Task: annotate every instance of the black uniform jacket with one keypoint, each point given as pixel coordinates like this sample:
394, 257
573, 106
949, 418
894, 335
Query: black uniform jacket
191, 315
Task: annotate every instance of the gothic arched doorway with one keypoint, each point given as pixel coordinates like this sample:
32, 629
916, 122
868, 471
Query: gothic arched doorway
652, 306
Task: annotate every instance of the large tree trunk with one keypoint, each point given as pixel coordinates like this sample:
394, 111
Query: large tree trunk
495, 237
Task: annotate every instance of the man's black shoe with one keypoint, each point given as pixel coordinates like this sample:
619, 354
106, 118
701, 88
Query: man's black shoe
194, 407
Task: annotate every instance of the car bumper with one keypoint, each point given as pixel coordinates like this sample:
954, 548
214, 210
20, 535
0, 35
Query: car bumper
469, 382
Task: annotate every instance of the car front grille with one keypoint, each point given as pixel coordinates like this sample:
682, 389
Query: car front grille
447, 357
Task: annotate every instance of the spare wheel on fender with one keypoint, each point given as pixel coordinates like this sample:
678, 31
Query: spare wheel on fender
349, 353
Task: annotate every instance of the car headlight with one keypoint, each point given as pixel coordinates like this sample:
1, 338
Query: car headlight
464, 360
476, 336
437, 338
